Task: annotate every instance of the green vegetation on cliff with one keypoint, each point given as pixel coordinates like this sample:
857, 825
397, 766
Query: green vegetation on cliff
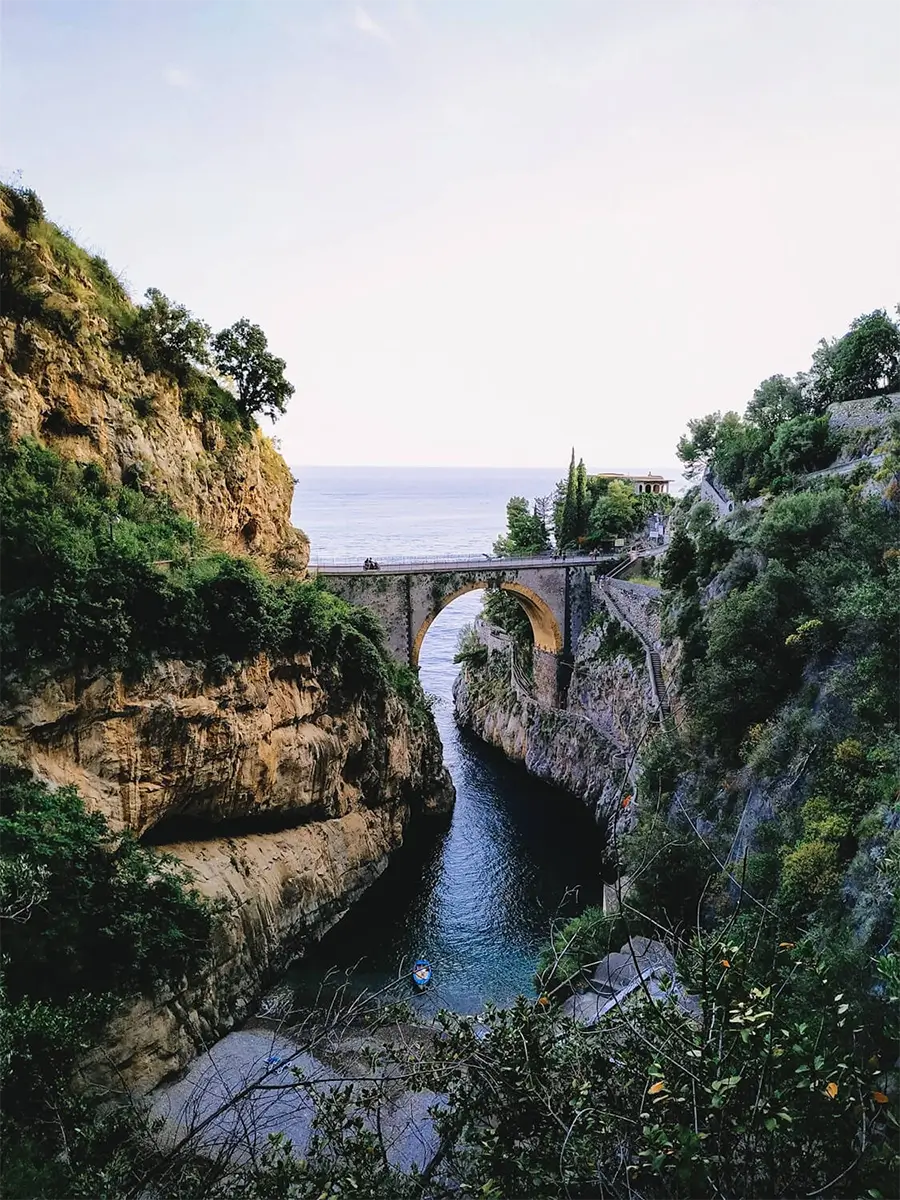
785, 432
88, 919
47, 278
788, 622
99, 576
774, 1080
767, 809
592, 512
526, 534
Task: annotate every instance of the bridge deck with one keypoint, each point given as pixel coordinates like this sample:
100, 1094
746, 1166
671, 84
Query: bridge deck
484, 562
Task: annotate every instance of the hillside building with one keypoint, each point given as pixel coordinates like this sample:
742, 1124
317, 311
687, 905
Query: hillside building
641, 483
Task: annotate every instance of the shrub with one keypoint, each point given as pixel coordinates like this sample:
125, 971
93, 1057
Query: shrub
801, 445
470, 648
111, 919
240, 609
747, 671
663, 759
165, 336
107, 281
82, 588
200, 393
670, 869
616, 639
20, 298
809, 873
115, 917
26, 211
503, 610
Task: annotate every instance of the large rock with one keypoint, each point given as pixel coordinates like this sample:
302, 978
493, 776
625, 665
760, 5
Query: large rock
642, 966
174, 743
324, 788
582, 748
279, 893
262, 1067
267, 745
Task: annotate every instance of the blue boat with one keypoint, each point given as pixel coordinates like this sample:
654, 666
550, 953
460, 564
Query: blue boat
421, 975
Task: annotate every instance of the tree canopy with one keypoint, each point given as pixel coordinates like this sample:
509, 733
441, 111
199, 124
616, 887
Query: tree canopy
784, 432
167, 336
242, 353
614, 513
526, 532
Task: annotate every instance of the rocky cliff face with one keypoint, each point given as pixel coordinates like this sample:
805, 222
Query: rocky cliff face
89, 404
266, 747
268, 741
584, 748
283, 796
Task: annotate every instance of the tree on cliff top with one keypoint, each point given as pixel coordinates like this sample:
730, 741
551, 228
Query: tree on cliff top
167, 337
864, 362
242, 352
526, 532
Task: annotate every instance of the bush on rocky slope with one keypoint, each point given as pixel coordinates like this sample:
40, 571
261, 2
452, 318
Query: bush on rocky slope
97, 575
88, 919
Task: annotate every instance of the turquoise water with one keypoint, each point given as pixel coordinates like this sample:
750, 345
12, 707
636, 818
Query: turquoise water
477, 897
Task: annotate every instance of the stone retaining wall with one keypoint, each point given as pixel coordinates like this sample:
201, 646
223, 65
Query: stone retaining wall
639, 602
716, 495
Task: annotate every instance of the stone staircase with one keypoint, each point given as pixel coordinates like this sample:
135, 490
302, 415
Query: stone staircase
659, 685
496, 639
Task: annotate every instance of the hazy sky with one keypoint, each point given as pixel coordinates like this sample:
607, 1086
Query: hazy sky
480, 231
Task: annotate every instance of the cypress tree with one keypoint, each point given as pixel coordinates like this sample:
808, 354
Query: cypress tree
581, 500
568, 525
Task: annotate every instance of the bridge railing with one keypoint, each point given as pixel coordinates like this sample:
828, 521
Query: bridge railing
464, 560
393, 560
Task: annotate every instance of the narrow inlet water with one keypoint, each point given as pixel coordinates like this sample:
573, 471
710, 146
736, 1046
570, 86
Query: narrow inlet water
476, 898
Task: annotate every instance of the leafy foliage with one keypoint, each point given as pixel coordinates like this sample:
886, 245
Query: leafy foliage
242, 353
777, 399
47, 278
784, 433
167, 337
526, 533
865, 361
26, 210
104, 576
764, 1092
115, 917
575, 949
111, 919
617, 639
616, 513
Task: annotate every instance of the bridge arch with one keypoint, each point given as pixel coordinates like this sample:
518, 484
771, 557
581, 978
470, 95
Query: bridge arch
544, 625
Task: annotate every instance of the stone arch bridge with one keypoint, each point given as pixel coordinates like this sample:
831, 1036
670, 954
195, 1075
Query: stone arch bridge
406, 596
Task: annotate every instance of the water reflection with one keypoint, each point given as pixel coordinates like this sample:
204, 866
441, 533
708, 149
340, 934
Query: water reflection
477, 897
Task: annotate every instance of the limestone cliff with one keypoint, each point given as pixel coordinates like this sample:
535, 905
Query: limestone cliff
267, 747
284, 800
267, 741
64, 381
80, 400
283, 786
585, 748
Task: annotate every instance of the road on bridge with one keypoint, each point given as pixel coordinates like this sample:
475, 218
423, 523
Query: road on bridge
484, 562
